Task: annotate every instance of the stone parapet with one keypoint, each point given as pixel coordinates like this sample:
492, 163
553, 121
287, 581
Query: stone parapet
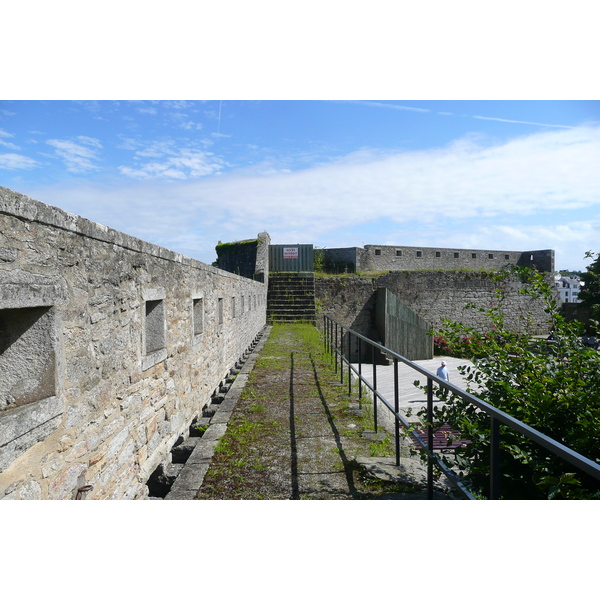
129, 342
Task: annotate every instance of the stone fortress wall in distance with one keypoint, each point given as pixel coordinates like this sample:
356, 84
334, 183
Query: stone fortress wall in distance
109, 349
410, 258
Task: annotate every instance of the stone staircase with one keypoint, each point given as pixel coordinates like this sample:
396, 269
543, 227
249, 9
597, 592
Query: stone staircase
291, 298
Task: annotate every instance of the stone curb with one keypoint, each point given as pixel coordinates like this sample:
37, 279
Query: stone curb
191, 477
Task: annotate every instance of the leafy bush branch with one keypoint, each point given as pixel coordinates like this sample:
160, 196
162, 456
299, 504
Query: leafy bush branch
552, 385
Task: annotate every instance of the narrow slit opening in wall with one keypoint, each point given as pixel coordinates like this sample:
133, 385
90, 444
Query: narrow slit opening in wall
155, 325
220, 310
198, 316
27, 356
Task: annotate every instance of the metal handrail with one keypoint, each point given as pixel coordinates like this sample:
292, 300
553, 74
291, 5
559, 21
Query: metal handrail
335, 330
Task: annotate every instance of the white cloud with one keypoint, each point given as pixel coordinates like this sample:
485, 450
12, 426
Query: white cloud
520, 122
17, 161
469, 194
79, 155
391, 106
9, 145
177, 163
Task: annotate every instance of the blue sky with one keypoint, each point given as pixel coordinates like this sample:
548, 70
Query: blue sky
507, 175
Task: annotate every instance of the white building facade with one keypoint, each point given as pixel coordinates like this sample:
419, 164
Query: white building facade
568, 287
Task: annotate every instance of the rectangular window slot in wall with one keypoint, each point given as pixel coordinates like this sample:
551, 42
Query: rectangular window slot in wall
220, 311
377, 252
419, 254
154, 334
198, 316
473, 255
27, 356
490, 256
438, 254
31, 405
398, 252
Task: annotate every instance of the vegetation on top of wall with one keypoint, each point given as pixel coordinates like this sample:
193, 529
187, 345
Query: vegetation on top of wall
224, 246
371, 274
237, 257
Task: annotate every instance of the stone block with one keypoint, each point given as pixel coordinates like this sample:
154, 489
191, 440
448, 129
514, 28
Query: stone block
191, 477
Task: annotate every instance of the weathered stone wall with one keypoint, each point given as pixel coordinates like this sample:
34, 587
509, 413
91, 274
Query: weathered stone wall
262, 258
431, 295
109, 349
437, 295
410, 258
348, 300
352, 302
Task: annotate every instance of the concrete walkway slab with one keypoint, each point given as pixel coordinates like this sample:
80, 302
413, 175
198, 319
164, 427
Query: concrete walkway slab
410, 395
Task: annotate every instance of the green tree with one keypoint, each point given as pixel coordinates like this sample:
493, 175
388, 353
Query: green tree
590, 294
552, 385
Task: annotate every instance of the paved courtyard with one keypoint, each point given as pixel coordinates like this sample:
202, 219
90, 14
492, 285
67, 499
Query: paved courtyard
410, 395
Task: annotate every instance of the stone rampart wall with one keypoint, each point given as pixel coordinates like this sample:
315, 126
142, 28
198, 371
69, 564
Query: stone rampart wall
410, 258
431, 295
435, 296
109, 349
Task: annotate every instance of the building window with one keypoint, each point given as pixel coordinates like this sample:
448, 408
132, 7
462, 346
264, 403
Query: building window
438, 254
398, 252
233, 307
377, 252
491, 256
243, 303
456, 255
506, 257
419, 254
473, 255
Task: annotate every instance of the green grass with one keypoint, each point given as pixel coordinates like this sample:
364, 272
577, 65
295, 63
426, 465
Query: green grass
253, 459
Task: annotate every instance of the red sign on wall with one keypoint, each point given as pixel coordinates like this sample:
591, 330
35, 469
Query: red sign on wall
290, 253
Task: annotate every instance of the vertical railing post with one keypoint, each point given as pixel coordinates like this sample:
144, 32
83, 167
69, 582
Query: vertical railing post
349, 363
374, 388
359, 369
495, 459
396, 410
341, 354
335, 345
429, 438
